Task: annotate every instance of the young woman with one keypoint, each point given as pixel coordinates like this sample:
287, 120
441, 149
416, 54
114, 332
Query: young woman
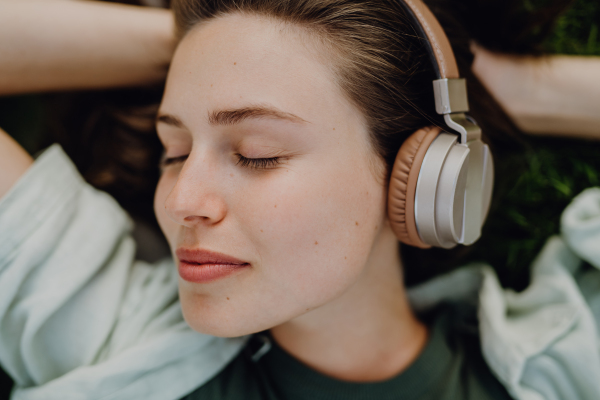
281, 122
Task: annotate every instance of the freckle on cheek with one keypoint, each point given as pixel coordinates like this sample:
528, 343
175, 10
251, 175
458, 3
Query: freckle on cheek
228, 298
316, 242
356, 223
261, 230
231, 175
275, 205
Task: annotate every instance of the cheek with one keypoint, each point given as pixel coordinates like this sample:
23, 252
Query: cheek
167, 225
316, 230
309, 230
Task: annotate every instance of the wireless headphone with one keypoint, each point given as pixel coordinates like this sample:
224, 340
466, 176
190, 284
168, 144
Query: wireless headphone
441, 183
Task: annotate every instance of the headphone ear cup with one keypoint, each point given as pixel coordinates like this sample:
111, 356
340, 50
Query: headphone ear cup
403, 185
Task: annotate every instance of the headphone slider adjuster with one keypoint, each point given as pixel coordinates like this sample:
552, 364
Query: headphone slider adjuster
450, 95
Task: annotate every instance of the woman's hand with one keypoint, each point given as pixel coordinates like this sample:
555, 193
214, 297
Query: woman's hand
14, 161
553, 95
59, 45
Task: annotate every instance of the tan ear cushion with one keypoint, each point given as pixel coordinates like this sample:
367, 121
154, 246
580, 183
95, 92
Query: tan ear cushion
403, 185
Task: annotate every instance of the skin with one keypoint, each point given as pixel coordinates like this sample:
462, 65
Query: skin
556, 95
65, 45
325, 274
14, 161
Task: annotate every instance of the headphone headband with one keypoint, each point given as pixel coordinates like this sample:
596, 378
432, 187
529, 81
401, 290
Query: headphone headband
436, 40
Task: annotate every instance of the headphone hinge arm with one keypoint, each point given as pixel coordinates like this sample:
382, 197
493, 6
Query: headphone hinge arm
462, 124
452, 102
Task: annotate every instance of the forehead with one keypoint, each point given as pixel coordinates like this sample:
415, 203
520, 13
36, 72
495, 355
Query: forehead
239, 59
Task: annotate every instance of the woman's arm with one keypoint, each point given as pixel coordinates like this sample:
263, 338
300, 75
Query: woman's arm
58, 45
553, 95
14, 161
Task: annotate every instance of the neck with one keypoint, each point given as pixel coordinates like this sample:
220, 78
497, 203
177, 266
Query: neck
369, 333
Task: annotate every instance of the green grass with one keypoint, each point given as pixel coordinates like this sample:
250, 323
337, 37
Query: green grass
576, 31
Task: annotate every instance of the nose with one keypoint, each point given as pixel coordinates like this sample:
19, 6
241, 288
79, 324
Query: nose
195, 198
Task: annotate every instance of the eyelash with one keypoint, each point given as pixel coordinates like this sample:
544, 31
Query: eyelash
255, 163
258, 163
165, 162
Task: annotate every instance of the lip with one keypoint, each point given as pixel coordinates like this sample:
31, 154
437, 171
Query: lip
203, 266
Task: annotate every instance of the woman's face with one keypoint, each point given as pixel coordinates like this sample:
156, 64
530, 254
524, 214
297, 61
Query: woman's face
268, 164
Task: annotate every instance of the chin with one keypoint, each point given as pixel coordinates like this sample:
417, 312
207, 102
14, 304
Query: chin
220, 320
219, 330
224, 328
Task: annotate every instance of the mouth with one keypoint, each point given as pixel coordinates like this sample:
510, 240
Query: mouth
203, 266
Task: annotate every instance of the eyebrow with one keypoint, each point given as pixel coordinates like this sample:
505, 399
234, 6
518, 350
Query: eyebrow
236, 116
170, 120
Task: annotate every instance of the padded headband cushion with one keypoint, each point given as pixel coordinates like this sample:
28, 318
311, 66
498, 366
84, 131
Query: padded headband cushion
403, 185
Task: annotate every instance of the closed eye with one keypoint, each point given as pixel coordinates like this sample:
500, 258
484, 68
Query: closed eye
258, 163
166, 161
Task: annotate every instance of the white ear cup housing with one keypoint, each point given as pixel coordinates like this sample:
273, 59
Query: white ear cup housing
453, 191
488, 183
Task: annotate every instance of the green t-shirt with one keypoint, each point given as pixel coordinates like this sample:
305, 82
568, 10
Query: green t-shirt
450, 367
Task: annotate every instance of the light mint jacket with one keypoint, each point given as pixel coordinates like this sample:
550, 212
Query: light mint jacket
81, 319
